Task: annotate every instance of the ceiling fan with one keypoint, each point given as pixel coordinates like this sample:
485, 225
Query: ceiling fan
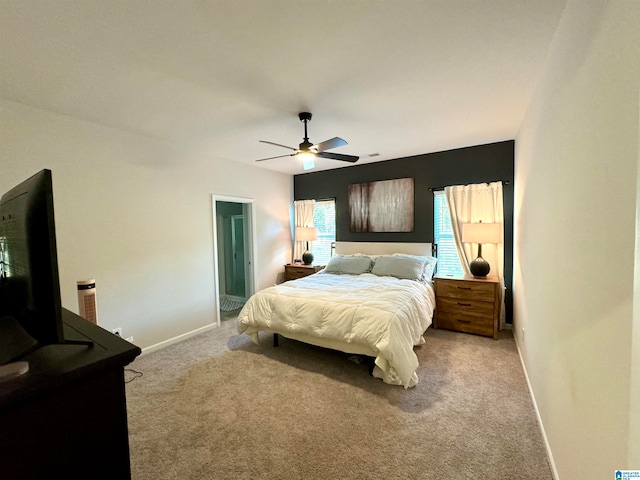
308, 151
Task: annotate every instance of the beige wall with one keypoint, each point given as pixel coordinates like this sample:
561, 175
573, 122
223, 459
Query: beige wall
576, 195
634, 397
135, 214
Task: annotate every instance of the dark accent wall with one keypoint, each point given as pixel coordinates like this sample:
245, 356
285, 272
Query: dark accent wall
462, 166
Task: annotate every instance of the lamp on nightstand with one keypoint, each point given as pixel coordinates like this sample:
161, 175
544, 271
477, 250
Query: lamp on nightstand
480, 233
306, 234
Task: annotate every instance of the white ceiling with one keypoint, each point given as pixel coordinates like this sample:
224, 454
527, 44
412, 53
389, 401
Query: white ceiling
396, 78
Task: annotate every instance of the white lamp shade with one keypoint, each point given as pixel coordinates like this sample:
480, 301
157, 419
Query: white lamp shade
481, 232
306, 234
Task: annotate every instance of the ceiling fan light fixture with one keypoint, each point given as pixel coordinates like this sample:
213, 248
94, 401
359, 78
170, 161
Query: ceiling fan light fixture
305, 156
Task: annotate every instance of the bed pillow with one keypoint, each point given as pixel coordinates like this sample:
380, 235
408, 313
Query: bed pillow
400, 266
429, 268
429, 264
349, 264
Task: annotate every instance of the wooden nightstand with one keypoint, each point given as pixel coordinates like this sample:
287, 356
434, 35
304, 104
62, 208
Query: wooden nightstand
293, 271
468, 304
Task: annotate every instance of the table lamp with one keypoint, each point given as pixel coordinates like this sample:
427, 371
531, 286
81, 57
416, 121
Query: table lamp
306, 234
480, 233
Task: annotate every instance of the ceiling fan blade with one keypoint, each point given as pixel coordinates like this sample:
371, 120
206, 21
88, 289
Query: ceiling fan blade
338, 156
279, 156
334, 142
278, 145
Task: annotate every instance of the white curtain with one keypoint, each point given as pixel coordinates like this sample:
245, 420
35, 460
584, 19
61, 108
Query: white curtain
303, 213
472, 204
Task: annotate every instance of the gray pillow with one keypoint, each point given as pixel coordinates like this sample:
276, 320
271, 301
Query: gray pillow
429, 268
429, 264
350, 264
410, 268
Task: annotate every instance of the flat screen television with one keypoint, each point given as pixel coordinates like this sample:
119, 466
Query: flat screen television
30, 304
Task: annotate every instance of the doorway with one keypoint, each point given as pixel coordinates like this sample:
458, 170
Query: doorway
233, 254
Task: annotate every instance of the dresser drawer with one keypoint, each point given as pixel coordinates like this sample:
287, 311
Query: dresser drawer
474, 308
467, 290
467, 323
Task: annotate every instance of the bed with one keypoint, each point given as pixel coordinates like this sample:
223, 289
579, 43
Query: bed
377, 305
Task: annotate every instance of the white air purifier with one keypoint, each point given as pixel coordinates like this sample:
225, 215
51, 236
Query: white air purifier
87, 302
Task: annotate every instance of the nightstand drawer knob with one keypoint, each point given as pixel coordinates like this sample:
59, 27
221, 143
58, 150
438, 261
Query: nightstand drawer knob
463, 321
463, 288
464, 304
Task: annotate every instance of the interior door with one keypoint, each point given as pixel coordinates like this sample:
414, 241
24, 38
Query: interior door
238, 262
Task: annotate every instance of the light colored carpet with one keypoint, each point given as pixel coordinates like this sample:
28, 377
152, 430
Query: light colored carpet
219, 407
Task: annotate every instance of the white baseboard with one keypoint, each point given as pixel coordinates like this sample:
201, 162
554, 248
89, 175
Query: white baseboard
552, 463
179, 338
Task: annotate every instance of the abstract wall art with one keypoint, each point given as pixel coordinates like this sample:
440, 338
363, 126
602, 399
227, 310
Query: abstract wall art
385, 206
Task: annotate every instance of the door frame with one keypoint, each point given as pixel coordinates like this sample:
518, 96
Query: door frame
250, 246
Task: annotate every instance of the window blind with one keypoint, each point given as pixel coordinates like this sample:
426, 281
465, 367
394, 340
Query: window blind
324, 219
448, 260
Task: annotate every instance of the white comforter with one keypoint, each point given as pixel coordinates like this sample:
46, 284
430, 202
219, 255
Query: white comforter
380, 316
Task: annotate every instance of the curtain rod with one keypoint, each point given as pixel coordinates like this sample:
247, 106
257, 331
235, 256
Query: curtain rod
504, 182
316, 199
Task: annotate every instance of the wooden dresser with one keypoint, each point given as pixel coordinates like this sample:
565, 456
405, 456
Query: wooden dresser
299, 270
67, 416
468, 304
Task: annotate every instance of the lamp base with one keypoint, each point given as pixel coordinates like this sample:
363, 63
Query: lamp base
479, 267
307, 258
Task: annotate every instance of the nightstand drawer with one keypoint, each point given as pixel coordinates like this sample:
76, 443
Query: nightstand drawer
300, 271
466, 290
462, 322
466, 307
293, 272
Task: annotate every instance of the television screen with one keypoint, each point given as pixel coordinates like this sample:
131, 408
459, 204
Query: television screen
29, 283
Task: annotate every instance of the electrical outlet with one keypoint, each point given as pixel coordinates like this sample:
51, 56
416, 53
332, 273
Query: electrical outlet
117, 331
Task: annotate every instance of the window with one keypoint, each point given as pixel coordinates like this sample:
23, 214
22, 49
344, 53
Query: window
448, 260
324, 219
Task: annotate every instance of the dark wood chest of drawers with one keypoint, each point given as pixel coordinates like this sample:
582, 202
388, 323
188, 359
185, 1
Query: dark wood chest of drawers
468, 304
293, 271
